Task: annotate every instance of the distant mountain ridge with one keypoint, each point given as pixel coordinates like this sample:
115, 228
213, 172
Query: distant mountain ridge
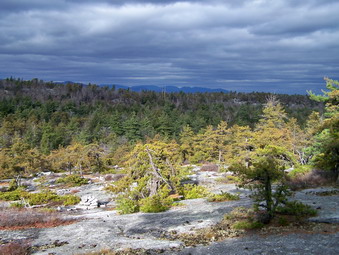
169, 89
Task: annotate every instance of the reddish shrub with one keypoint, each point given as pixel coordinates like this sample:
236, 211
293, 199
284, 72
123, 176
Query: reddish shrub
15, 248
209, 168
311, 179
12, 218
117, 177
108, 177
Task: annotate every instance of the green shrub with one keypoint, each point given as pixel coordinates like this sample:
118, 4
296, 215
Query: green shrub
191, 191
45, 197
155, 204
73, 180
12, 195
298, 209
126, 205
48, 197
41, 198
223, 196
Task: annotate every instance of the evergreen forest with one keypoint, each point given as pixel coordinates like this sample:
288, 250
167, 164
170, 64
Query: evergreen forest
76, 128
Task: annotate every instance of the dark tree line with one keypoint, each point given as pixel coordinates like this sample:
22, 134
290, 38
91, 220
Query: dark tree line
47, 115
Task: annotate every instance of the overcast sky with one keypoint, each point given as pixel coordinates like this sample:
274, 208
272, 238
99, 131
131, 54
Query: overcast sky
282, 46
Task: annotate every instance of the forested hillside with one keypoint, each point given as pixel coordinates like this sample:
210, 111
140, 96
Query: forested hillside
44, 117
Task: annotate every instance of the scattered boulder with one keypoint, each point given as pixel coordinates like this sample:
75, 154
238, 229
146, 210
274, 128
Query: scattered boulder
102, 203
88, 202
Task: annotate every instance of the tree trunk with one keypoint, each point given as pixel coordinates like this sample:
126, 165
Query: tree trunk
156, 171
268, 197
18, 180
81, 173
153, 187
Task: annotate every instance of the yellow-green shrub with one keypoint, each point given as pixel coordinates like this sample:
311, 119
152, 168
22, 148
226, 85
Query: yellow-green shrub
40, 198
73, 180
127, 205
121, 185
70, 200
155, 204
191, 191
300, 170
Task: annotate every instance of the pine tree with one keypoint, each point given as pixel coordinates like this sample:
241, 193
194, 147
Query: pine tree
132, 128
264, 163
327, 138
186, 141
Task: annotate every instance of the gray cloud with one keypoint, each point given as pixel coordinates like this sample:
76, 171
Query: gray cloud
281, 46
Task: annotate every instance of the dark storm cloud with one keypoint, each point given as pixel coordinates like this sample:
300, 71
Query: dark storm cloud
240, 45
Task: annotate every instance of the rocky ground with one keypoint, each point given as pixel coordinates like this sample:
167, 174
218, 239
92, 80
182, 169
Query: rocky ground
102, 228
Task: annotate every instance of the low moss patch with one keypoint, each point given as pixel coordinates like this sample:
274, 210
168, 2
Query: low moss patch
223, 196
247, 224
